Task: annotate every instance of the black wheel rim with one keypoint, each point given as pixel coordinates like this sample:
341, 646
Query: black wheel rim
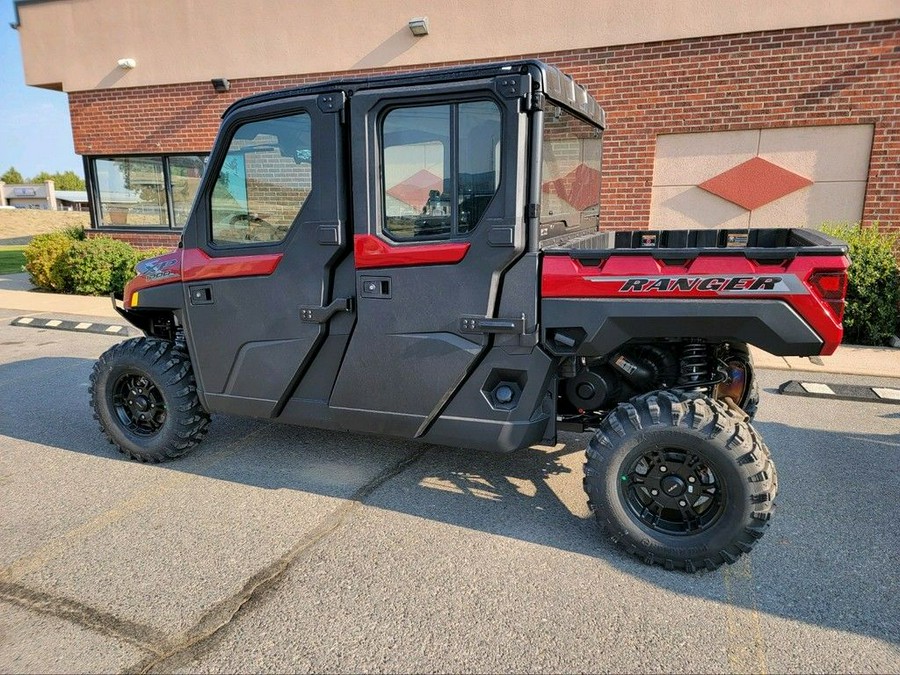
138, 404
673, 490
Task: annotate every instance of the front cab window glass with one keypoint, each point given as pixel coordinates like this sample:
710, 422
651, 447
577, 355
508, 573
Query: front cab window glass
264, 181
441, 168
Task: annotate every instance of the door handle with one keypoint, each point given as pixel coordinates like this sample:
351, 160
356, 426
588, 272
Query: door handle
201, 295
481, 324
375, 287
316, 314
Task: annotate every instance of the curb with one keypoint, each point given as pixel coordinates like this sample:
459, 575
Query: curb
69, 325
843, 392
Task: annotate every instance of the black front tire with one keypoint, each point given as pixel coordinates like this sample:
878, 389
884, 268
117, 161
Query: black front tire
144, 395
723, 477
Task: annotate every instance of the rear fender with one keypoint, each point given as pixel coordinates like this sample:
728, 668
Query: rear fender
594, 327
774, 305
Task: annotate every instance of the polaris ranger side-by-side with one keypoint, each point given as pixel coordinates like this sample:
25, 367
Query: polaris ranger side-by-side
419, 256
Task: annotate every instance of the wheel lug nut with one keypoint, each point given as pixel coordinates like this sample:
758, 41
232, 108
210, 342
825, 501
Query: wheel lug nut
691, 479
663, 468
682, 503
654, 492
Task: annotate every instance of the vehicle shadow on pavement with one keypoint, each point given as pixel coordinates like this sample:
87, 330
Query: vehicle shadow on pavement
829, 559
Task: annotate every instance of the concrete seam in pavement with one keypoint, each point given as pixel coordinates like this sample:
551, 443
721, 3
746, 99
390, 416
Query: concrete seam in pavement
136, 634
220, 616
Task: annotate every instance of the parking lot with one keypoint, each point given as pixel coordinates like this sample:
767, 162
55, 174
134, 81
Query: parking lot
274, 548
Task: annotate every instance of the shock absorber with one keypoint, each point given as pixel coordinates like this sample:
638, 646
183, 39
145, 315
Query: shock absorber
694, 364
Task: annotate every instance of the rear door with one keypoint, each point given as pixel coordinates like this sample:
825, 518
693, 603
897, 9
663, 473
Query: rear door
438, 216
267, 230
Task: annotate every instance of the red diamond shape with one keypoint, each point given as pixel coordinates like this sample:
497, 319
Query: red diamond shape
755, 183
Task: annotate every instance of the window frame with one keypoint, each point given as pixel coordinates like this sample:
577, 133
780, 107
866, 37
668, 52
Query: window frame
454, 103
95, 199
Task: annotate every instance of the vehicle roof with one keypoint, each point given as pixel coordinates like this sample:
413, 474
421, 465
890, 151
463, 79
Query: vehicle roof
550, 80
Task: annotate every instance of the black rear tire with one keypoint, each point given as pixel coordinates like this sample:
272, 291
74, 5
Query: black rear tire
719, 474
144, 395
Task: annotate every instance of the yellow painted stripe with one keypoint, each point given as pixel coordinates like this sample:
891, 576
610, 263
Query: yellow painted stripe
746, 647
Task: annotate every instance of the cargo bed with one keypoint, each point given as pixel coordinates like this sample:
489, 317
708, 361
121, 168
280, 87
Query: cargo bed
761, 244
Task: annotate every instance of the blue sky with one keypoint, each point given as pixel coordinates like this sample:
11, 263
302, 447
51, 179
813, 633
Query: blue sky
35, 131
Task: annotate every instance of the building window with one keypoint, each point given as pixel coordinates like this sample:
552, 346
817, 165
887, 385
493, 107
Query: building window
264, 181
570, 175
132, 191
441, 168
184, 178
145, 191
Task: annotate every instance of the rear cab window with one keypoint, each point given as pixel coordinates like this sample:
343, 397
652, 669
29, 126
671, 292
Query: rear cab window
570, 176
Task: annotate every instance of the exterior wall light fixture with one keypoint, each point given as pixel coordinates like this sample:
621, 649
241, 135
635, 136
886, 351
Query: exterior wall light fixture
221, 85
127, 64
419, 26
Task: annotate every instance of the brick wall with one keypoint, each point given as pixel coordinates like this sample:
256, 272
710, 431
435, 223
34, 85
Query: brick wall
141, 240
847, 74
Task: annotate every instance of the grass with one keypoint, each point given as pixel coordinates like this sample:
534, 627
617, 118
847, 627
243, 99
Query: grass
11, 259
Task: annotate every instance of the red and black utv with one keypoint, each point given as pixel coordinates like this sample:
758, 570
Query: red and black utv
419, 256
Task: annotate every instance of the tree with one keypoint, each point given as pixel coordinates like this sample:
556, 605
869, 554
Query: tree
67, 180
12, 176
62, 180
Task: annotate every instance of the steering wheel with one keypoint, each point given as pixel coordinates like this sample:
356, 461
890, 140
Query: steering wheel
258, 228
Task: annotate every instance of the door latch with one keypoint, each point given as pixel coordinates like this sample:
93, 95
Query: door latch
315, 314
481, 324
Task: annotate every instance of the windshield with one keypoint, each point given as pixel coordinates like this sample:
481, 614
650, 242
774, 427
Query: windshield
570, 175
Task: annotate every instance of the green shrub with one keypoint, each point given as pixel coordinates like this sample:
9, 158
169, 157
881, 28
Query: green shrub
76, 232
153, 252
68, 262
45, 260
99, 266
873, 294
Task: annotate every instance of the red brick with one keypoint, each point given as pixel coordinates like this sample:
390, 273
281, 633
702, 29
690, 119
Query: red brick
846, 74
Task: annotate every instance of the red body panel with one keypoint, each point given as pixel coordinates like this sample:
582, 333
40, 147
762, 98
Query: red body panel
714, 276
194, 265
370, 251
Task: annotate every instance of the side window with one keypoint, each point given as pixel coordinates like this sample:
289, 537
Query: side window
441, 168
264, 181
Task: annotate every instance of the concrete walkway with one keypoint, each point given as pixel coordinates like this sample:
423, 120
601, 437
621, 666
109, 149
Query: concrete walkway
16, 293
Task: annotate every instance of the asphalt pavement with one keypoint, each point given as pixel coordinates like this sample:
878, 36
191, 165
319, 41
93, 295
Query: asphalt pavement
275, 548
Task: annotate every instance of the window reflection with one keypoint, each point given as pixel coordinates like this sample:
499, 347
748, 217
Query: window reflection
132, 191
435, 185
184, 176
570, 180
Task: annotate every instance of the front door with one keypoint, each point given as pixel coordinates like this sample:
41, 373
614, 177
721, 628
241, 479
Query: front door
264, 236
438, 217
